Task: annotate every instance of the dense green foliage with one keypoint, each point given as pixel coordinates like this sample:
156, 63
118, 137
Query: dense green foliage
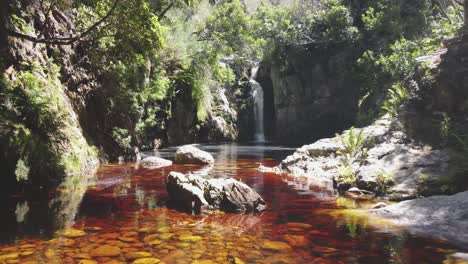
148, 54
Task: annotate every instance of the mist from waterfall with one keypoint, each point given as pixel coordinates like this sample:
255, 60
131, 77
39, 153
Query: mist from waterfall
257, 94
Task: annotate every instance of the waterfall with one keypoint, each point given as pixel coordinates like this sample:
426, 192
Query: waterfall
257, 94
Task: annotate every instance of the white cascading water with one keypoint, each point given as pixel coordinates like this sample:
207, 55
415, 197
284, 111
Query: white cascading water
257, 94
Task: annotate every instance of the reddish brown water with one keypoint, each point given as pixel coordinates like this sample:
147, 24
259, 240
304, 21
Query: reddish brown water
125, 208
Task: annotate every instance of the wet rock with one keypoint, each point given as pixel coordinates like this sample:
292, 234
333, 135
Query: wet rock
105, 251
66, 242
27, 253
166, 236
296, 240
390, 155
146, 261
72, 233
163, 229
92, 228
155, 242
173, 255
194, 192
379, 205
457, 258
203, 261
298, 225
137, 255
275, 246
155, 162
9, 256
150, 238
81, 256
437, 216
190, 238
191, 155
87, 261
186, 190
235, 260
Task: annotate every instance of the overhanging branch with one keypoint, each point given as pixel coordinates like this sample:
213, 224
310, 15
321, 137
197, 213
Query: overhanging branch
65, 40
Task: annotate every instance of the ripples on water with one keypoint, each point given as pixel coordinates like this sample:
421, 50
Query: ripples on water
122, 212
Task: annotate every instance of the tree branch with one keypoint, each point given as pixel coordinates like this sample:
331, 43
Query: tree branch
164, 12
65, 40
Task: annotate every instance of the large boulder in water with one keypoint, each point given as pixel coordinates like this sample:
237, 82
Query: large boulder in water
155, 162
193, 192
186, 190
191, 155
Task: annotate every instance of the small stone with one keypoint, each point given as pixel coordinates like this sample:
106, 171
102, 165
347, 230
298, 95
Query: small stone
127, 239
173, 255
275, 246
137, 255
190, 238
50, 254
235, 260
155, 242
27, 253
72, 233
147, 230
105, 251
82, 256
164, 229
183, 245
27, 246
130, 234
92, 228
9, 256
110, 236
203, 261
87, 261
379, 205
150, 238
166, 236
146, 261
298, 225
296, 240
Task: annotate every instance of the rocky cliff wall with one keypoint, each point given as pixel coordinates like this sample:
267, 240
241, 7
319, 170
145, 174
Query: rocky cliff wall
311, 91
41, 138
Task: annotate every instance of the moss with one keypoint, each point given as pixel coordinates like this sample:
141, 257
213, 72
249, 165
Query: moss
43, 132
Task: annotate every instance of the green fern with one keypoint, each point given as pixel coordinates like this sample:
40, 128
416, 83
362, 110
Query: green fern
353, 146
396, 97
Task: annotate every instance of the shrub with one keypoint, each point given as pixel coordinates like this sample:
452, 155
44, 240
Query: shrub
396, 97
353, 147
384, 181
347, 174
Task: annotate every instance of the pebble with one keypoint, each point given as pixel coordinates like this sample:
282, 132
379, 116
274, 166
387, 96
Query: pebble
146, 261
105, 251
275, 246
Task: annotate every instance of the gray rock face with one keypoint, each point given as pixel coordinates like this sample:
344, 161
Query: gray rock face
155, 162
192, 155
195, 193
308, 88
389, 153
444, 217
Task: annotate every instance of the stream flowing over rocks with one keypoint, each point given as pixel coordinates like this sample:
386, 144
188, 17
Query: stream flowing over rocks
389, 152
195, 193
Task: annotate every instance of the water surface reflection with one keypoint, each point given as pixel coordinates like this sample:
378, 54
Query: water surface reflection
124, 215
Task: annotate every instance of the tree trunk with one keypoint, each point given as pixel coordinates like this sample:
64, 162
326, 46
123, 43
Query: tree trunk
4, 10
466, 13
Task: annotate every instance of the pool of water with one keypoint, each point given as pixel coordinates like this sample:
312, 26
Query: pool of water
120, 215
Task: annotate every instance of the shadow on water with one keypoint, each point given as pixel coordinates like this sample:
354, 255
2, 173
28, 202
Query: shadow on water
40, 214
